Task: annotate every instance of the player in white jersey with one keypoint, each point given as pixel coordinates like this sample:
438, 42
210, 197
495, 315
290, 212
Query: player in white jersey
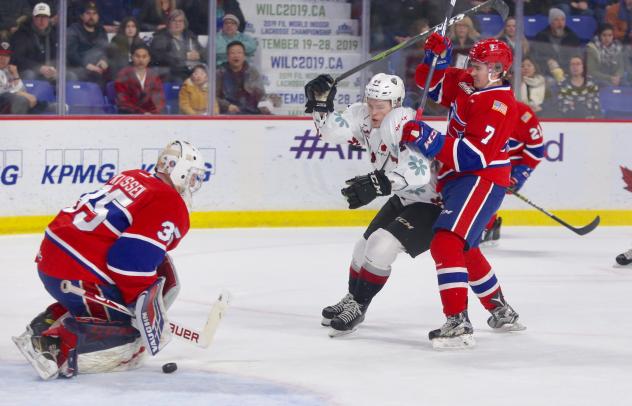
404, 223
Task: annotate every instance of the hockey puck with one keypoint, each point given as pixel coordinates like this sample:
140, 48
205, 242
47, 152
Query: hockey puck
169, 367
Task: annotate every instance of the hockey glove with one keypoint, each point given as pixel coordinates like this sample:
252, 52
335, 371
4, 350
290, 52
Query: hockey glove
519, 175
440, 47
363, 190
428, 140
320, 93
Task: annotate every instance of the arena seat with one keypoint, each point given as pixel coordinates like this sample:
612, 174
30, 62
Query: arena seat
84, 98
615, 101
41, 89
172, 97
534, 24
489, 24
110, 98
583, 26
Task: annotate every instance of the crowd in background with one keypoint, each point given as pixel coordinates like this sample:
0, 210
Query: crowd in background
135, 51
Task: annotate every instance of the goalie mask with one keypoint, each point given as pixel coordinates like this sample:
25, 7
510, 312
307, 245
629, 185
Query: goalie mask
184, 165
386, 87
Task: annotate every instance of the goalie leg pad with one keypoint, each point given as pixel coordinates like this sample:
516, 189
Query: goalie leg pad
151, 318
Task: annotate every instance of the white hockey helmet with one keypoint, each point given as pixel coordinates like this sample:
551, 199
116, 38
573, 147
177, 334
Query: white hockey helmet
386, 87
184, 165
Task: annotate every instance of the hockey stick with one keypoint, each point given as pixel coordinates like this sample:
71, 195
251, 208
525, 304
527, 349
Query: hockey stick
200, 338
497, 5
580, 231
433, 65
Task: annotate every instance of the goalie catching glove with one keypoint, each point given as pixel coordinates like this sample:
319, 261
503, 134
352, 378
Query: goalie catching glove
320, 93
362, 190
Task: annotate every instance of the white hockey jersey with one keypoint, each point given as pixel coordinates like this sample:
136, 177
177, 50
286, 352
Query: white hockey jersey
412, 175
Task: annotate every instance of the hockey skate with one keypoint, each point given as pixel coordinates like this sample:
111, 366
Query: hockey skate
348, 320
41, 352
625, 258
505, 318
456, 333
490, 237
332, 311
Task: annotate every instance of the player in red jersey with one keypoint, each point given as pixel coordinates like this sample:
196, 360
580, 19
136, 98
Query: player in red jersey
473, 178
526, 149
113, 242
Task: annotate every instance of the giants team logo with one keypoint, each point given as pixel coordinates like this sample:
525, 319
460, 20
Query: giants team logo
149, 157
10, 164
80, 165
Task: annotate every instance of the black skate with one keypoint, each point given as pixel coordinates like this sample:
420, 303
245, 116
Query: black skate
493, 234
348, 320
625, 258
457, 332
504, 317
332, 311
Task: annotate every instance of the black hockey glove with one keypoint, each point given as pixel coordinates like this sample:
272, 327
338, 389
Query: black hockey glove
363, 189
320, 94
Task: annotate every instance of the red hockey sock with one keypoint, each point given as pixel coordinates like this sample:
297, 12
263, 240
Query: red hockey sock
482, 278
353, 278
447, 250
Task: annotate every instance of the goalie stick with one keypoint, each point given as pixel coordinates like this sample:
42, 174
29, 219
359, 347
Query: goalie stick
497, 5
577, 230
200, 338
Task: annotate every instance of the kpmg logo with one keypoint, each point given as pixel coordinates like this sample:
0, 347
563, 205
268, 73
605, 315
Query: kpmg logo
10, 166
80, 165
149, 156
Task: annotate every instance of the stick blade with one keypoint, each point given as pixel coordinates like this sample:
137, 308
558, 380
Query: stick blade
214, 317
588, 228
501, 8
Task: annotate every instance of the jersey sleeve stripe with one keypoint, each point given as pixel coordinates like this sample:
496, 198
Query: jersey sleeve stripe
146, 239
468, 156
74, 254
131, 273
123, 257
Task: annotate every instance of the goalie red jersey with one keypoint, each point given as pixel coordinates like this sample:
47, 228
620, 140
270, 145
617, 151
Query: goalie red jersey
117, 235
480, 123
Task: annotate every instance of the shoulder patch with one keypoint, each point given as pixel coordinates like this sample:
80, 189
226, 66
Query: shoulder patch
467, 88
500, 107
526, 117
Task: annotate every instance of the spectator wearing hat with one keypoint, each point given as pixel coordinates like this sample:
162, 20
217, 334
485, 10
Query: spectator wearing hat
35, 46
86, 48
13, 96
553, 47
175, 49
13, 13
230, 33
193, 97
154, 14
239, 85
138, 88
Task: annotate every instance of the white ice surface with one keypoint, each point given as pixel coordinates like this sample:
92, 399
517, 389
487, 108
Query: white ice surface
271, 350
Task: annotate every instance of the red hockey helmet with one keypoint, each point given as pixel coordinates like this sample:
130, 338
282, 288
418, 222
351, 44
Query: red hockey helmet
492, 51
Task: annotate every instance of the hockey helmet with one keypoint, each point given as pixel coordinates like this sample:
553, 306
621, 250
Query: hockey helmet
184, 165
386, 87
492, 52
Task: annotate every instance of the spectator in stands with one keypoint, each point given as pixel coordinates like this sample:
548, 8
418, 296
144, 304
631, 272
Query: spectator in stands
193, 97
604, 58
554, 46
139, 89
620, 17
112, 13
176, 49
13, 96
578, 95
155, 14
35, 46
120, 49
533, 89
463, 36
197, 13
13, 13
87, 44
508, 36
228, 34
575, 7
239, 85
52, 4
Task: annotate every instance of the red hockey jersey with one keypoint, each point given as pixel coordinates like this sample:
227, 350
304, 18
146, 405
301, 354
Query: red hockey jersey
480, 123
117, 235
526, 144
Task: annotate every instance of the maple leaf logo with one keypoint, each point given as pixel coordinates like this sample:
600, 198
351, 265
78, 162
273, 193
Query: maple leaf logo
627, 178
